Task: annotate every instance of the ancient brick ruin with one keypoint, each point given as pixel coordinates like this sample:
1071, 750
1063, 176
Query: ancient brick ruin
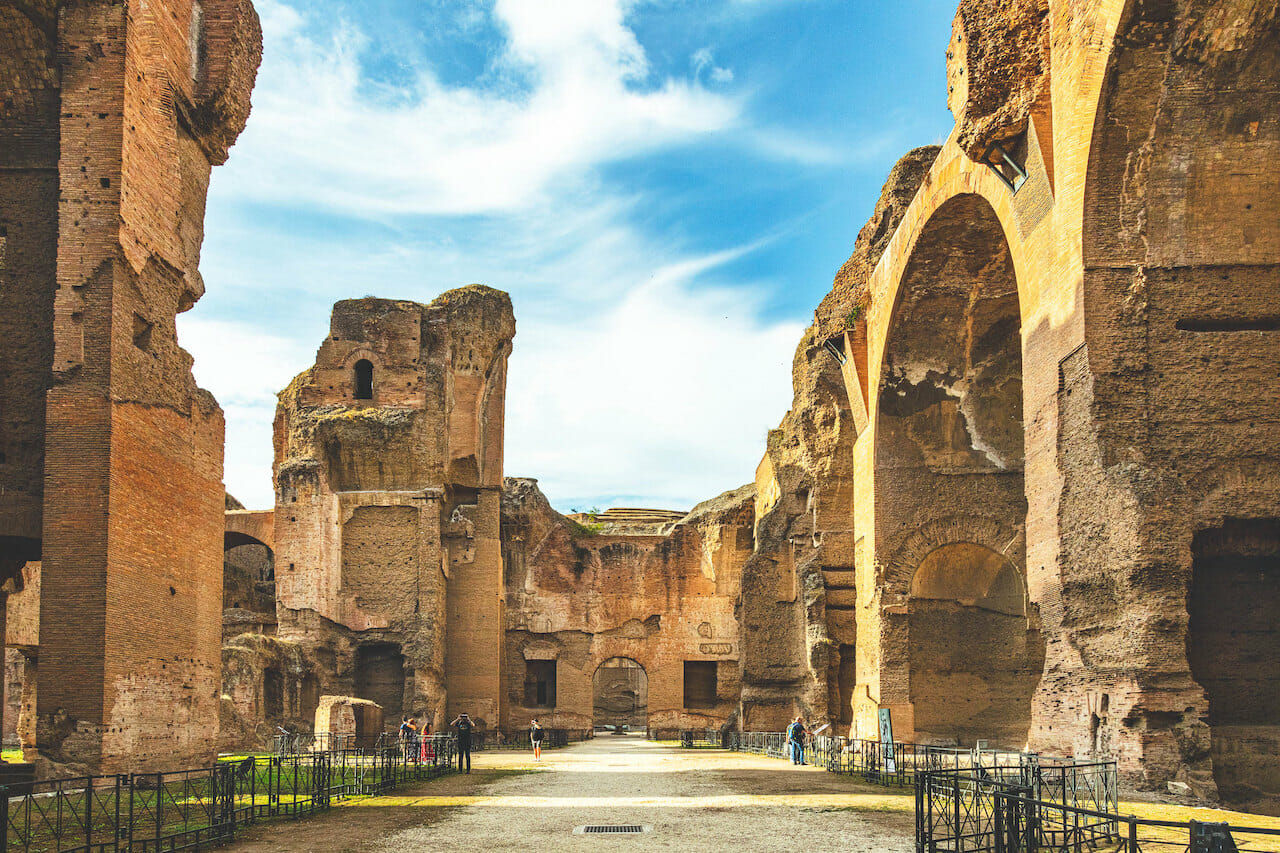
111, 116
1028, 490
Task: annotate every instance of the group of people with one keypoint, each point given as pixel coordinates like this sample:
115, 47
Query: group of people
419, 745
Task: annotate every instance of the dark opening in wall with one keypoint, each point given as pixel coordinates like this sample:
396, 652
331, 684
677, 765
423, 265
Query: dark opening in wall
380, 676
540, 683
272, 694
1233, 648
1269, 323
699, 684
363, 377
848, 677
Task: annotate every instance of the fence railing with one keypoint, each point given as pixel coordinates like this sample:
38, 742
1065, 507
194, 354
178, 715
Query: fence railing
190, 809
977, 810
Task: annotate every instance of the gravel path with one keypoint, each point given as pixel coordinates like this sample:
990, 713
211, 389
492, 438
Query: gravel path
694, 800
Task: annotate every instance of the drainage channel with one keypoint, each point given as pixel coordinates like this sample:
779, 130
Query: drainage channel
611, 829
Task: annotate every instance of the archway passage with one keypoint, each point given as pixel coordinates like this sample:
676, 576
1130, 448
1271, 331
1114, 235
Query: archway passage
1233, 646
620, 694
380, 677
949, 458
974, 663
248, 575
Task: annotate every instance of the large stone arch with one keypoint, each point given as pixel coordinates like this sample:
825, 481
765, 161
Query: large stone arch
620, 692
1181, 318
948, 463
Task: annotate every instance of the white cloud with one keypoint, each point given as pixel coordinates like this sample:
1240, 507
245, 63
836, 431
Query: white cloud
667, 394
637, 368
704, 61
245, 366
320, 133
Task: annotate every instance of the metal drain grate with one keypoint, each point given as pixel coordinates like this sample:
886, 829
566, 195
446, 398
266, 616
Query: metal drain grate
607, 829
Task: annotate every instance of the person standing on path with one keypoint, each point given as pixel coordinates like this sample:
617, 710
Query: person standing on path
535, 737
795, 740
464, 727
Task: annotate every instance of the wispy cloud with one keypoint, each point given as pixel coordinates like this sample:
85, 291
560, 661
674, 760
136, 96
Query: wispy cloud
320, 134
641, 365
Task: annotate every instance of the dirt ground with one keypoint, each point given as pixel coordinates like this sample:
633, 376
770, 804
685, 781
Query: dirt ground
692, 800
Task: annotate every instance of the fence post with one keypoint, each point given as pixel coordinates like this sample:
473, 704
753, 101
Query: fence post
159, 806
997, 811
129, 781
88, 813
1132, 846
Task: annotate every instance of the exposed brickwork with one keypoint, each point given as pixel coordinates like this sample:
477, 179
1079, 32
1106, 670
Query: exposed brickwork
1137, 268
582, 596
117, 482
386, 522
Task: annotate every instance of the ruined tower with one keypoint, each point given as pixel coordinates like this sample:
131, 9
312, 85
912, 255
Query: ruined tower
111, 116
388, 472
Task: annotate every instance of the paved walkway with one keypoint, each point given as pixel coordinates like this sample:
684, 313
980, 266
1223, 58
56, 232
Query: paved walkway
694, 800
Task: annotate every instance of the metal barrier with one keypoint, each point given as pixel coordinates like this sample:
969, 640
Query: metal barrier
190, 809
301, 743
869, 759
1008, 811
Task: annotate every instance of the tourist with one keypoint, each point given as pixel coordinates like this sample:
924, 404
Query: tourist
464, 726
796, 733
408, 738
535, 737
427, 752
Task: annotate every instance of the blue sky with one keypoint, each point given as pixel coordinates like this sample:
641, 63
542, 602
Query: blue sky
664, 188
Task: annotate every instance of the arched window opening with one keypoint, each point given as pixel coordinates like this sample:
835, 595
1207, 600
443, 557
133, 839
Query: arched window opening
364, 379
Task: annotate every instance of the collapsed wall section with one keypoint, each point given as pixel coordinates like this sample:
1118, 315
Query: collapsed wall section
387, 470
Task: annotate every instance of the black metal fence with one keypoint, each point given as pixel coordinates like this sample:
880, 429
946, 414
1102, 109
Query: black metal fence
874, 762
190, 809
1007, 811
866, 758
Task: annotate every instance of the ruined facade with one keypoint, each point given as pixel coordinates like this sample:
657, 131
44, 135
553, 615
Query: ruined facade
626, 618
388, 566
111, 117
1059, 367
1027, 491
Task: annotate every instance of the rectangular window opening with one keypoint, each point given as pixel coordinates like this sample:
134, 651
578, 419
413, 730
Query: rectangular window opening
700, 684
540, 683
1266, 323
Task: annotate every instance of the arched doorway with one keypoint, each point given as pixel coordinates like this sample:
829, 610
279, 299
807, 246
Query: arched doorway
974, 664
248, 575
620, 694
949, 460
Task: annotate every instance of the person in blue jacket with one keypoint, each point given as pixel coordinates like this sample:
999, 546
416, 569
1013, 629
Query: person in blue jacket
796, 733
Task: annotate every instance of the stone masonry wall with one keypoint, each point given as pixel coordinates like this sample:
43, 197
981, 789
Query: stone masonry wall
581, 596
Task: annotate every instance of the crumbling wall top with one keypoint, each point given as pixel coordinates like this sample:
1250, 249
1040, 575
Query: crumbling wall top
849, 295
997, 68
